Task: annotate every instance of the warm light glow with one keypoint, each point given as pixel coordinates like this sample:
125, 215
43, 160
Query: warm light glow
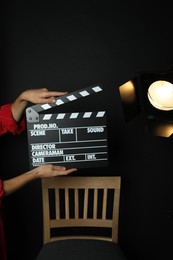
160, 95
127, 92
164, 129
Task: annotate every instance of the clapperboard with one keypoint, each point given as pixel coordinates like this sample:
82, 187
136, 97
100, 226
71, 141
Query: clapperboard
76, 139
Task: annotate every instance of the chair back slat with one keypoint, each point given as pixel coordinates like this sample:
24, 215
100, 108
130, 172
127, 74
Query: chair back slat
67, 214
85, 208
104, 208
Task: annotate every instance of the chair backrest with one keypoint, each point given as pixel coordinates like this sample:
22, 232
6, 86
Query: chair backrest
87, 203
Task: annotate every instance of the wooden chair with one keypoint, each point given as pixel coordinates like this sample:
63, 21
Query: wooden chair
80, 218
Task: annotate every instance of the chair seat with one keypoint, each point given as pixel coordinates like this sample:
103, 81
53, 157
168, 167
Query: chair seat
81, 249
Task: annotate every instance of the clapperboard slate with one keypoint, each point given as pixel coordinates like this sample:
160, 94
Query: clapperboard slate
76, 139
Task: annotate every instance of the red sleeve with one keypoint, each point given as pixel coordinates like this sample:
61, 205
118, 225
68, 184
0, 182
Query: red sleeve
7, 122
2, 235
1, 192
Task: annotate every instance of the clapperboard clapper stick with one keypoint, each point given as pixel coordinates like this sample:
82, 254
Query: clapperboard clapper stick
76, 139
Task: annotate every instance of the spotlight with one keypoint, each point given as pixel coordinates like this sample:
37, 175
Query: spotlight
147, 100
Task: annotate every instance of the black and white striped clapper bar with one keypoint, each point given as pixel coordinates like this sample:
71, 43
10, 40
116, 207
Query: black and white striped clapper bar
76, 139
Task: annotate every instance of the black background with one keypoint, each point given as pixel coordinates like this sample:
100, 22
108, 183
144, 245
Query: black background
69, 45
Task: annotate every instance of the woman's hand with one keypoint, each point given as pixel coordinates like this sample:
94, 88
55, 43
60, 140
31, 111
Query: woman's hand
50, 170
35, 96
40, 96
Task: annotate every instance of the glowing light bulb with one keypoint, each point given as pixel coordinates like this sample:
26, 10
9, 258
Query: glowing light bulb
160, 95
